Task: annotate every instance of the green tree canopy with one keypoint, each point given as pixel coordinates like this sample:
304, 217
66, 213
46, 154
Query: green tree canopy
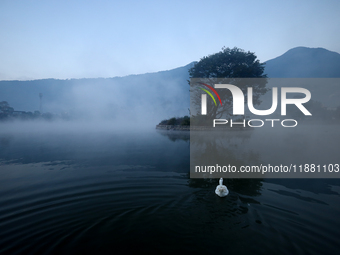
229, 64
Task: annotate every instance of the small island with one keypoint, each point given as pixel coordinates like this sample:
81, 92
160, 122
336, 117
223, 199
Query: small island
198, 123
180, 123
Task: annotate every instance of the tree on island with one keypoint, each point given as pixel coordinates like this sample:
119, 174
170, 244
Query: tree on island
183, 121
229, 64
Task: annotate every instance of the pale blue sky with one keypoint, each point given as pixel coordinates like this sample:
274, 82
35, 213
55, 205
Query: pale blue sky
78, 38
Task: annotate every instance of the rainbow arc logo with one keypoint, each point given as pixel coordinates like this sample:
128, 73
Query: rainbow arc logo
208, 92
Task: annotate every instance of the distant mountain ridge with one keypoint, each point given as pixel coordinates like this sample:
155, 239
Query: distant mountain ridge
161, 95
303, 62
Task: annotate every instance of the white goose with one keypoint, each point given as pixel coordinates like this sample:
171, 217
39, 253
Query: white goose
221, 190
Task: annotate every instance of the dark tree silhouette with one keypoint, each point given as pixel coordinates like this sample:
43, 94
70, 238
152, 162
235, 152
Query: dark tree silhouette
231, 65
5, 109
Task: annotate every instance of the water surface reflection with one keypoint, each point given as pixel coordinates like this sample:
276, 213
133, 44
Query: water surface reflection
116, 192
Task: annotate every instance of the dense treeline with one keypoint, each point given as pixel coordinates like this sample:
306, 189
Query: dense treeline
8, 113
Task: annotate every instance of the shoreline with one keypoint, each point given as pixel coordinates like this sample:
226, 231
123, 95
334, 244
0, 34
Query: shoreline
196, 128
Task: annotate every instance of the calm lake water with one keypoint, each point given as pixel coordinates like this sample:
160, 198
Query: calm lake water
90, 191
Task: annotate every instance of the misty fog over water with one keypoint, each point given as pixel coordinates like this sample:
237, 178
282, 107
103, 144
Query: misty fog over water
106, 180
141, 99
95, 187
